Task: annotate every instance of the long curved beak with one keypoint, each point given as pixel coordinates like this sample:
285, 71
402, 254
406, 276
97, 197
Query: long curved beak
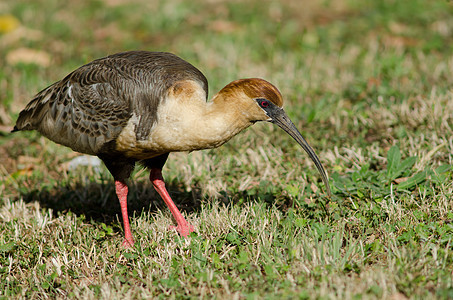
280, 118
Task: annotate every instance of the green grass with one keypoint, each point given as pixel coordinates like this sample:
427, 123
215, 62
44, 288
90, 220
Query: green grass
369, 85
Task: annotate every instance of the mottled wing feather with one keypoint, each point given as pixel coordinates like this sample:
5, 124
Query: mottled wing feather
88, 109
83, 111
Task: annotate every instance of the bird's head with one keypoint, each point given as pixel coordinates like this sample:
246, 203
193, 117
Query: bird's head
262, 101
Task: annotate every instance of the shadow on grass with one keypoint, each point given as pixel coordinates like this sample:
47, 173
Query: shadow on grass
98, 201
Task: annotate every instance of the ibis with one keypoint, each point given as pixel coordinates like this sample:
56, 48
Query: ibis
139, 106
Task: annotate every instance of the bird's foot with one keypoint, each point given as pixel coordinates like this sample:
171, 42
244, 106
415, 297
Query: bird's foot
183, 230
128, 243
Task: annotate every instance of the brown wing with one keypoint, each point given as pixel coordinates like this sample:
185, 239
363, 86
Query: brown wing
90, 107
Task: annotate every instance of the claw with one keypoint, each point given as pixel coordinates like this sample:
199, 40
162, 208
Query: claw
128, 244
183, 230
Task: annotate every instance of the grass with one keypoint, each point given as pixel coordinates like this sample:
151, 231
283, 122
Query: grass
367, 82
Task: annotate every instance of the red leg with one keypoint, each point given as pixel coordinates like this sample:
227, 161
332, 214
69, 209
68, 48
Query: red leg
121, 192
156, 178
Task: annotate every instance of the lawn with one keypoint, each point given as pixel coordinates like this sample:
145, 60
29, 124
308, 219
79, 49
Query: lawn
368, 84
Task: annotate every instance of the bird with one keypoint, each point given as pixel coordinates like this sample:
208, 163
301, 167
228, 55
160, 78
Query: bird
139, 106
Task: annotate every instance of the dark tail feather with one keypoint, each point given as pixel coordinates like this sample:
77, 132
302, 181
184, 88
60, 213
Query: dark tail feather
36, 109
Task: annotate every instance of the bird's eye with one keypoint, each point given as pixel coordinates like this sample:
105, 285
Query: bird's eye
263, 103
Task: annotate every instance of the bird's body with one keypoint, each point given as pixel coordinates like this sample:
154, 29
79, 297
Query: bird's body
140, 106
90, 107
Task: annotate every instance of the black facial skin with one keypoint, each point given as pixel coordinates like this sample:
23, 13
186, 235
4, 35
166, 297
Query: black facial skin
270, 108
